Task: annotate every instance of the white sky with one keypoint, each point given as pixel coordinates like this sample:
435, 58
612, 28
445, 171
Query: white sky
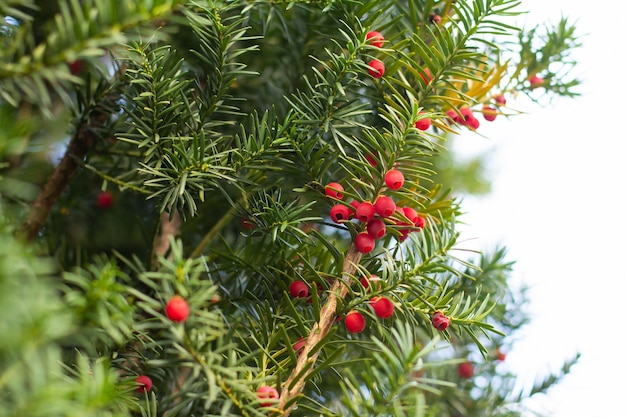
558, 175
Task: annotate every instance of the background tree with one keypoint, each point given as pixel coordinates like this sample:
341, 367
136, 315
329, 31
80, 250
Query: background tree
249, 215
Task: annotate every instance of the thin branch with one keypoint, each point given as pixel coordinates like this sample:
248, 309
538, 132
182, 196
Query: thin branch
76, 151
298, 377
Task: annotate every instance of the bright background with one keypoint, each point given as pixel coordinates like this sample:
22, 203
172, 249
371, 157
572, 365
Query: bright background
558, 173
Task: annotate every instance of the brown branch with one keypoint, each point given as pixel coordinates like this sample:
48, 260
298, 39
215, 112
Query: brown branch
167, 229
297, 379
60, 177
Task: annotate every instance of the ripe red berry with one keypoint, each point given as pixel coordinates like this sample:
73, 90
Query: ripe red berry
373, 281
371, 159
500, 99
453, 116
489, 113
435, 19
340, 212
267, 393
466, 369
355, 322
177, 309
473, 123
299, 345
376, 68
385, 206
376, 228
410, 213
334, 189
365, 212
105, 200
76, 67
420, 222
298, 289
423, 124
364, 242
440, 321
354, 204
426, 76
535, 81
145, 383
246, 224
394, 179
375, 38
383, 307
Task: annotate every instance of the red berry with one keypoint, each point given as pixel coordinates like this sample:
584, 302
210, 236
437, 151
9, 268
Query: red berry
535, 81
364, 242
373, 281
299, 345
177, 309
105, 200
440, 321
385, 206
410, 213
420, 222
145, 383
501, 356
298, 289
340, 212
404, 233
466, 369
383, 307
435, 19
246, 224
394, 179
375, 38
453, 116
371, 159
423, 124
267, 393
466, 115
365, 212
489, 113
426, 76
377, 68
355, 322
500, 99
76, 67
334, 189
473, 123
376, 228
354, 204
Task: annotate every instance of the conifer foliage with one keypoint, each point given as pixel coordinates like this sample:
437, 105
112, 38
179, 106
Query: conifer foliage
227, 208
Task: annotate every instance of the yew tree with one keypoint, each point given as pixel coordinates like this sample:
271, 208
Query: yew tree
233, 208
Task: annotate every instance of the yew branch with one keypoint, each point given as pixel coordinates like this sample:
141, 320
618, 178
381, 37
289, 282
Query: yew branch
297, 379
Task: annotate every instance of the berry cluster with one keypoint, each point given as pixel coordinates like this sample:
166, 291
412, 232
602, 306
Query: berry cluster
376, 67
377, 215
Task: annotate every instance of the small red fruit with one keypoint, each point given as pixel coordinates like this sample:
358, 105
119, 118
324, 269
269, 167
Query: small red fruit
376, 68
246, 224
298, 289
453, 116
394, 179
535, 81
466, 369
373, 281
177, 309
383, 307
376, 228
76, 67
440, 321
473, 123
420, 222
426, 76
500, 99
375, 38
364, 242
145, 383
435, 19
489, 113
410, 213
385, 206
339, 212
299, 345
423, 124
267, 393
355, 322
371, 159
105, 200
334, 189
365, 211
